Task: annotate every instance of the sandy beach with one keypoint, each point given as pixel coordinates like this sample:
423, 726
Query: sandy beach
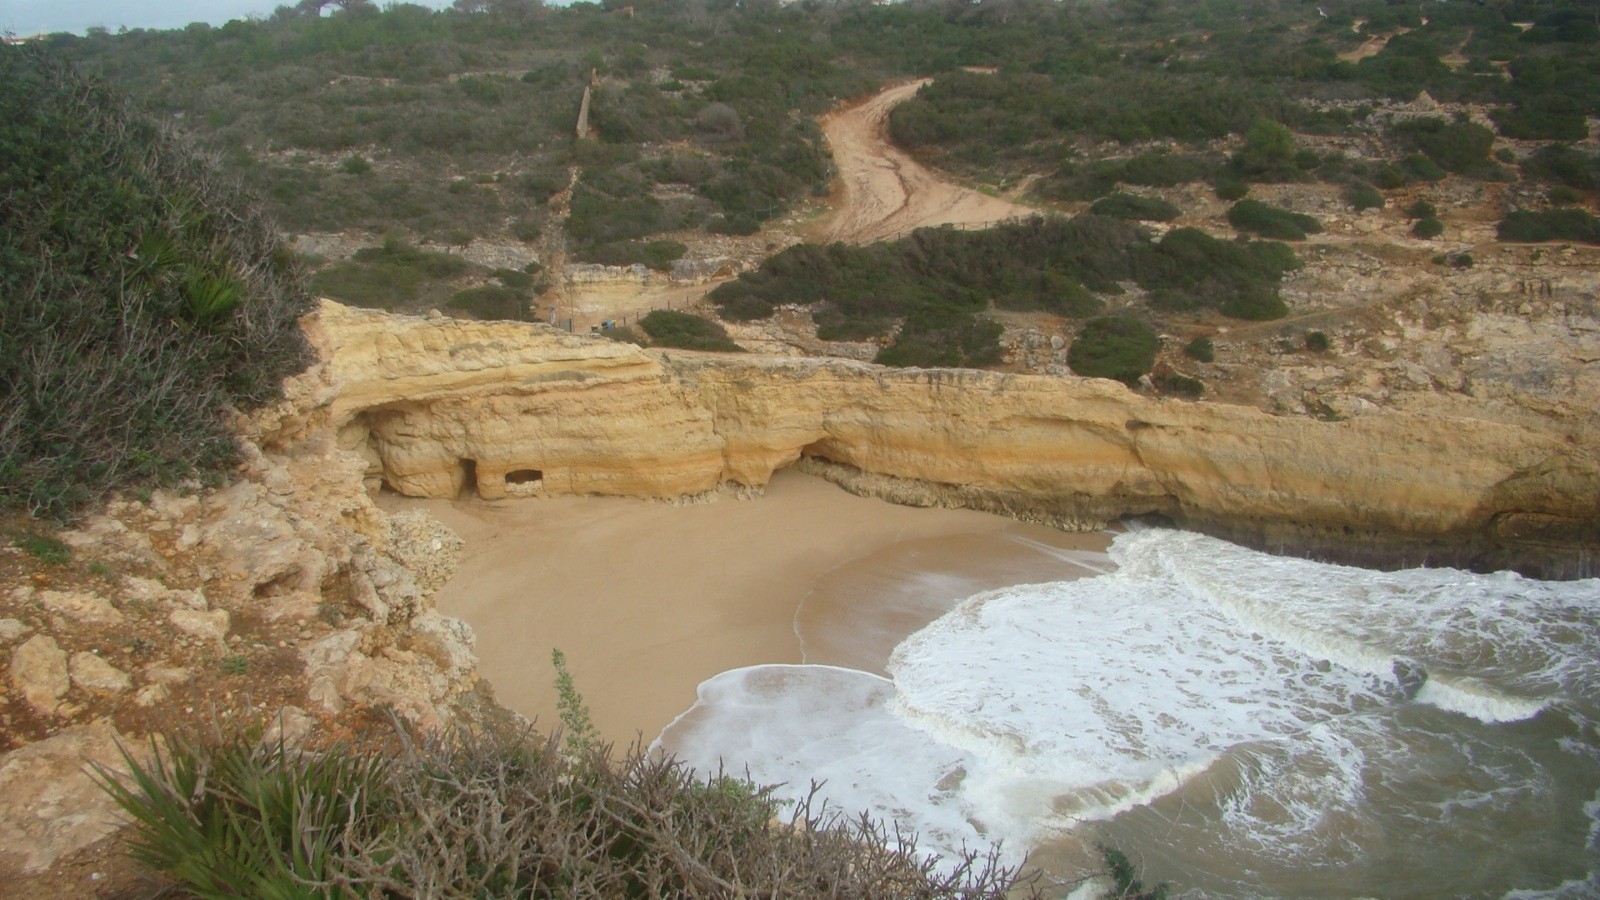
648, 599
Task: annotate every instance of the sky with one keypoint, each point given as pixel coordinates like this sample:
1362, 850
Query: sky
27, 17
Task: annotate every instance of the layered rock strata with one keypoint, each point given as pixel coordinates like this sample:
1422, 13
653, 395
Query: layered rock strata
440, 407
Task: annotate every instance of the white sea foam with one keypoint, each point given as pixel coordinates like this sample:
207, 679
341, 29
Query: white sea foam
1294, 706
791, 726
1472, 697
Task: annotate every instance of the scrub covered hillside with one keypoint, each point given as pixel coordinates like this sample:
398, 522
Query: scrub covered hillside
144, 298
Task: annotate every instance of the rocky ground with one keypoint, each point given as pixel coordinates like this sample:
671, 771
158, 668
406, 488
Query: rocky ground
284, 600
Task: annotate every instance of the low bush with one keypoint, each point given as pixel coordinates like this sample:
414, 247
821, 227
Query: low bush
1565, 165
1202, 349
1053, 265
937, 337
144, 297
1316, 342
491, 301
1271, 222
1456, 146
489, 814
1550, 225
1179, 385
1422, 209
1231, 190
670, 328
1131, 206
387, 277
1116, 347
1363, 196
1428, 228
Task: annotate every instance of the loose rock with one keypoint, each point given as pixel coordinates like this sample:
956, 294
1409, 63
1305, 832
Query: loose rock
39, 673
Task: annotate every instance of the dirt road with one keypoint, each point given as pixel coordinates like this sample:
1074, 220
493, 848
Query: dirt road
886, 192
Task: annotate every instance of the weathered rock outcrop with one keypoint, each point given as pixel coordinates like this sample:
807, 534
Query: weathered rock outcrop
441, 406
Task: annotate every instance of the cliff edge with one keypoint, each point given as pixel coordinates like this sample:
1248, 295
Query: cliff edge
441, 406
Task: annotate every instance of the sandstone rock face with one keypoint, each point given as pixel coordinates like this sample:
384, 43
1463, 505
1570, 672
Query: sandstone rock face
442, 406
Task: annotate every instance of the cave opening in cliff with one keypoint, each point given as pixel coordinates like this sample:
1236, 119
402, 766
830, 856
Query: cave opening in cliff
524, 476
468, 477
816, 450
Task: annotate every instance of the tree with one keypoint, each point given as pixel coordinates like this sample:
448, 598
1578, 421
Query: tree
1268, 152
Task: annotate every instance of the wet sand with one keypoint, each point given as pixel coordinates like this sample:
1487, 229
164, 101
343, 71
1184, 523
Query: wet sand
647, 599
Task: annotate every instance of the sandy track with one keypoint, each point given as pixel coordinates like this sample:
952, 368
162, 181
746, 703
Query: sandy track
886, 192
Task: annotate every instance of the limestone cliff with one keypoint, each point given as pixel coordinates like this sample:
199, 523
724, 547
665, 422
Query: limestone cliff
439, 406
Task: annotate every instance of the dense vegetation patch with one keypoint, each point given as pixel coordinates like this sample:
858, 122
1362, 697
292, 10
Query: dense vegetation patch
389, 276
1270, 221
490, 815
670, 328
1118, 347
143, 296
1132, 206
937, 281
1550, 225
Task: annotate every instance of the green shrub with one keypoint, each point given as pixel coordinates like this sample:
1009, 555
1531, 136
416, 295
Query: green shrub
1550, 225
1428, 228
233, 817
939, 337
1268, 153
1179, 385
495, 813
670, 328
1316, 342
526, 229
1231, 190
1271, 222
355, 164
1131, 206
1542, 119
44, 548
1362, 196
1115, 347
150, 297
1050, 264
1418, 167
491, 301
1561, 195
1202, 349
1565, 165
1456, 146
387, 277
1422, 209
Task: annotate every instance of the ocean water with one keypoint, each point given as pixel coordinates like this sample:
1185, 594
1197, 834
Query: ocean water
1239, 723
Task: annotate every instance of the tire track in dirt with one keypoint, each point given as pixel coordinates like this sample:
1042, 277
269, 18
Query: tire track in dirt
887, 193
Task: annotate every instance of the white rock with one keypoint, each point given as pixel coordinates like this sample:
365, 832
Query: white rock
39, 673
11, 629
92, 673
208, 626
80, 606
152, 591
151, 694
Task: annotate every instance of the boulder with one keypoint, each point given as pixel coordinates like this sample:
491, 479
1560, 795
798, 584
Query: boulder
39, 673
91, 673
50, 805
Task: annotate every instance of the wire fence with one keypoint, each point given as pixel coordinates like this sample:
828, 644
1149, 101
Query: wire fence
616, 320
964, 226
